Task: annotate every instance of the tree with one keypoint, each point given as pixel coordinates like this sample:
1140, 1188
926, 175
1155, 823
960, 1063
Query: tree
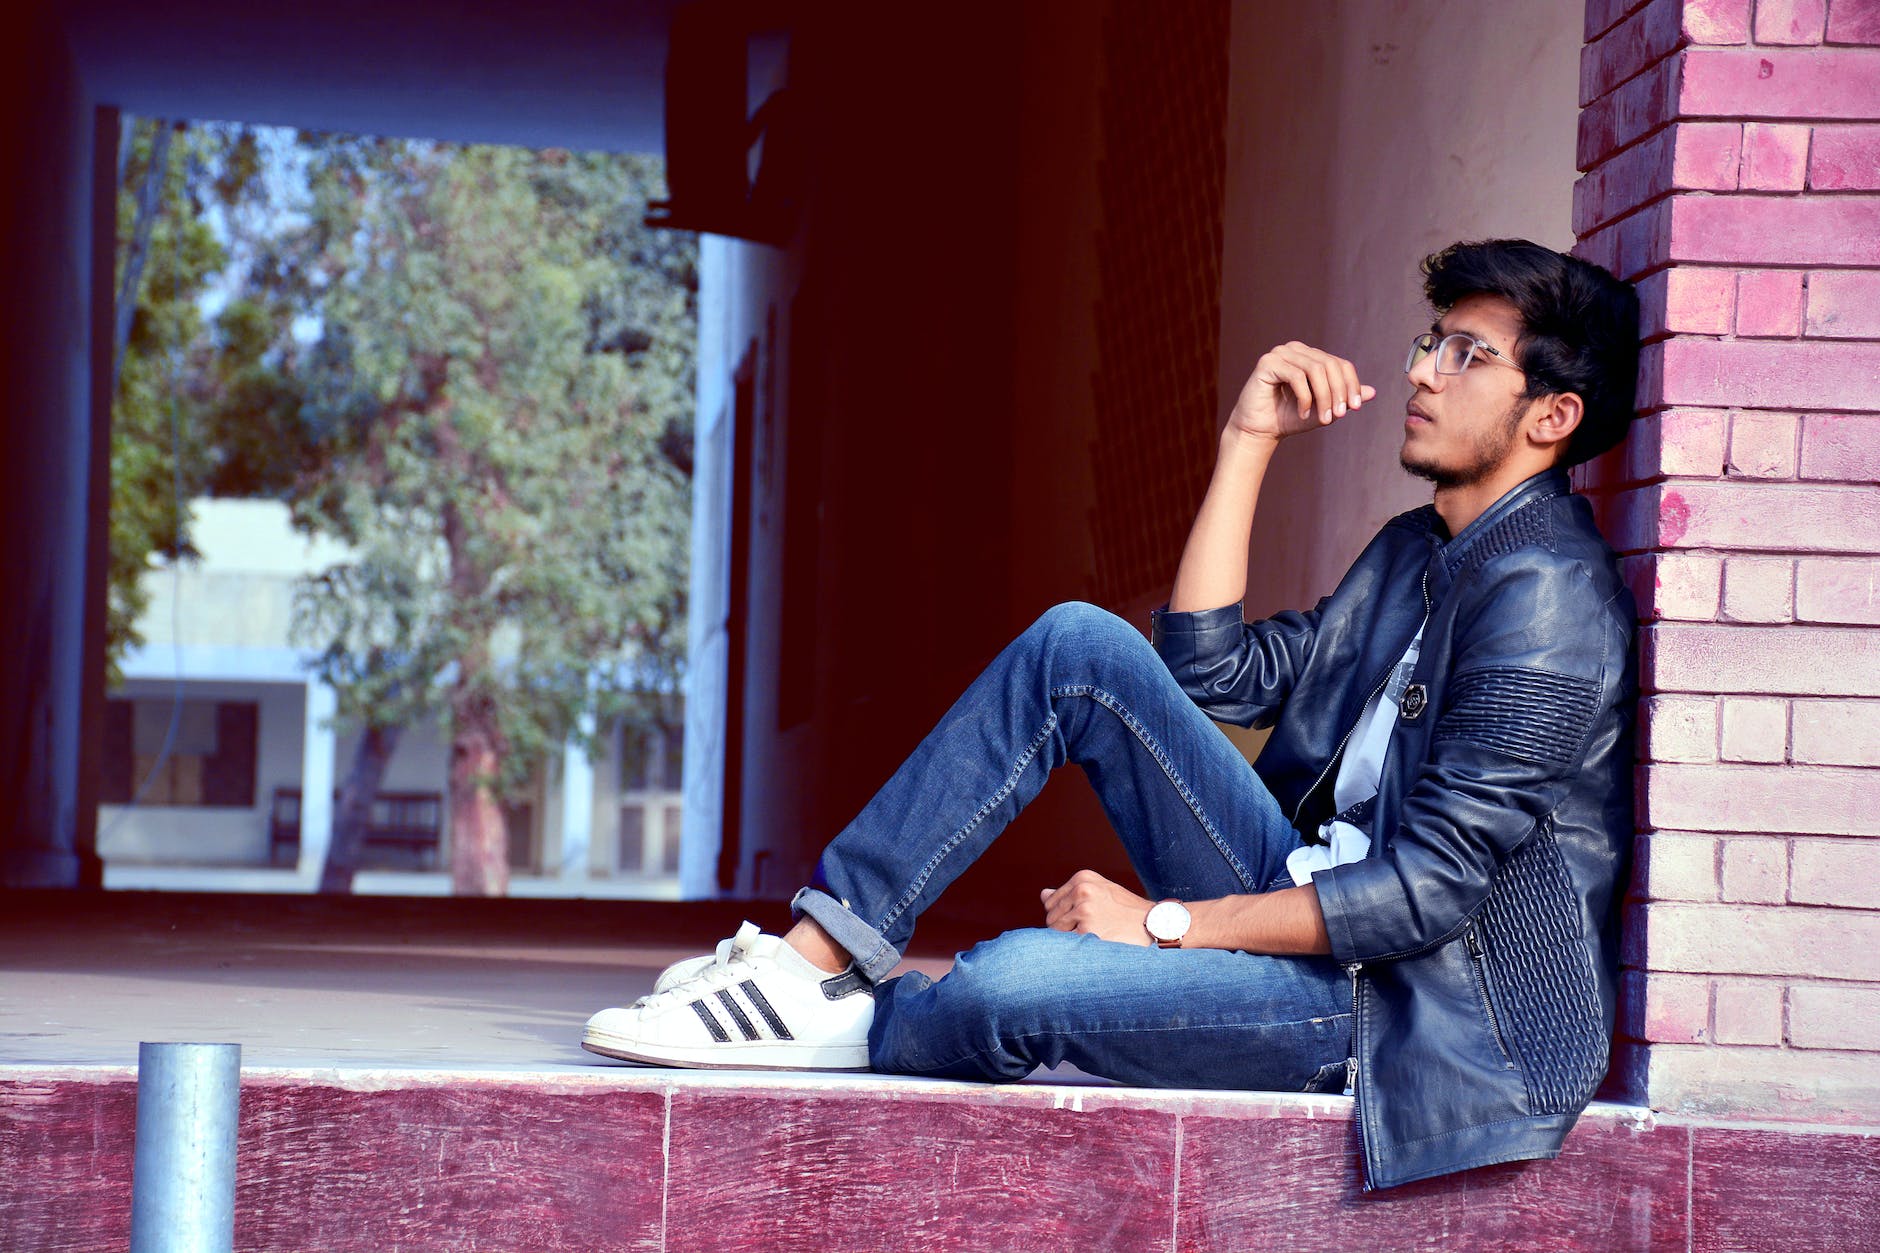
170, 407
499, 395
165, 255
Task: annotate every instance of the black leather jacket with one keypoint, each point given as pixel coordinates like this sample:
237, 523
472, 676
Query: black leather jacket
1481, 932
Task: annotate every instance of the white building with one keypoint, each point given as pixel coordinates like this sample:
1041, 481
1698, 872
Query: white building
243, 798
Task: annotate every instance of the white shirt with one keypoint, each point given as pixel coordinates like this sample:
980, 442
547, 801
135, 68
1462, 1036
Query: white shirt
1358, 775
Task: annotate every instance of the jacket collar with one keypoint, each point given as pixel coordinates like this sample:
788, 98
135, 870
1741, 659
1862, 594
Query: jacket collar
1548, 483
1447, 558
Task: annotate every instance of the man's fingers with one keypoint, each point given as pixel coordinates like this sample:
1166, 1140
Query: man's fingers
1065, 907
1348, 378
1324, 386
1312, 362
1277, 371
1294, 364
1333, 381
1302, 393
1326, 404
1057, 903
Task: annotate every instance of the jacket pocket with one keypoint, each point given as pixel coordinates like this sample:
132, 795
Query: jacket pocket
1478, 961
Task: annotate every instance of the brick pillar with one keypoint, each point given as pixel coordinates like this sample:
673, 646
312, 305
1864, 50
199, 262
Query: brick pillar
1731, 158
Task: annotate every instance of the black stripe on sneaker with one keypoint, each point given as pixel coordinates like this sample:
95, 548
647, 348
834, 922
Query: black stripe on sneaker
762, 1006
711, 1023
848, 983
737, 1015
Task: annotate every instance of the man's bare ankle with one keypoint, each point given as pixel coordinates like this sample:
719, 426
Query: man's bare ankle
808, 938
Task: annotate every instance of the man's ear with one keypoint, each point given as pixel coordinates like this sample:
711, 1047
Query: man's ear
1556, 419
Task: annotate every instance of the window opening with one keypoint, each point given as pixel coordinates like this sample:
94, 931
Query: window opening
422, 496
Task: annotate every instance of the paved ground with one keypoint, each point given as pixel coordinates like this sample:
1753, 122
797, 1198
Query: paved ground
372, 983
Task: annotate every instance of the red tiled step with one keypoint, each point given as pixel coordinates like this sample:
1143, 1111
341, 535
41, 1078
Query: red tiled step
620, 1158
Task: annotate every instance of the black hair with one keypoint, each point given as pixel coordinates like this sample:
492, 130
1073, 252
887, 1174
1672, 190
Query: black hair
1580, 327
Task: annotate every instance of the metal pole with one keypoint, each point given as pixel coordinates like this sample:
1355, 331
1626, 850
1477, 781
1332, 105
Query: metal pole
183, 1180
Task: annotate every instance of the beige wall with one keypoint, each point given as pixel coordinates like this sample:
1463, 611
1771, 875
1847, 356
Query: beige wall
1363, 135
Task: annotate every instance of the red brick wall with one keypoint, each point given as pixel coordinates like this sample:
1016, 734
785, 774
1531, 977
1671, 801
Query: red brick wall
1731, 158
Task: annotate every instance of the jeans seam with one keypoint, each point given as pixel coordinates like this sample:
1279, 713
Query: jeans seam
1103, 1028
1115, 705
986, 807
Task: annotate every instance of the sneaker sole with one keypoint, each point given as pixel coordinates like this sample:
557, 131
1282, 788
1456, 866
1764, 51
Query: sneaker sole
759, 1055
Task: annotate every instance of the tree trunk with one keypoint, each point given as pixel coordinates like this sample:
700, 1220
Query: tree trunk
354, 811
479, 838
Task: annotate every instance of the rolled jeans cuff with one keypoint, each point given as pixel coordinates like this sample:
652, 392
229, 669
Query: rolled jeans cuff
874, 956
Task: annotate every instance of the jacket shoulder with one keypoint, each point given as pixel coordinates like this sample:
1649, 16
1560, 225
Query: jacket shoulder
1555, 536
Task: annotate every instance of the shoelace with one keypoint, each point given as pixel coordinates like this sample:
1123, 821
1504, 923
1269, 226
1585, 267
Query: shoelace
729, 966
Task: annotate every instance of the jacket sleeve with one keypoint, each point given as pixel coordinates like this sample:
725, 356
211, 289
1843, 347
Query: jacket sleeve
1533, 668
1237, 671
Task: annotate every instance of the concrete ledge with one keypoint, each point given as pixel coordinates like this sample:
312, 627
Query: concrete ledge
603, 1157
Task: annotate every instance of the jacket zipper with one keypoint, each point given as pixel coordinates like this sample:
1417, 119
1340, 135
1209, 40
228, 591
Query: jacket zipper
1351, 1063
1339, 751
1353, 968
1351, 1076
1479, 958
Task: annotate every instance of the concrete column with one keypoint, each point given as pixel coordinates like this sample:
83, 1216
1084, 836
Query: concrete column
318, 749
721, 265
577, 808
45, 478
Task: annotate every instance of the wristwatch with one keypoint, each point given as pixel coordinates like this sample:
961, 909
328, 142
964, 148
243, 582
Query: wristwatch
1167, 923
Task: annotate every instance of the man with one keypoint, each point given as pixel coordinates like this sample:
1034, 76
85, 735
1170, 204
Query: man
1411, 894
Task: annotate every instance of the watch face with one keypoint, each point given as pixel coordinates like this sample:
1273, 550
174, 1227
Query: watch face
1168, 920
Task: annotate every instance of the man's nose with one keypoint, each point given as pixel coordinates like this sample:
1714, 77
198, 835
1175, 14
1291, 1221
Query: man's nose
1424, 376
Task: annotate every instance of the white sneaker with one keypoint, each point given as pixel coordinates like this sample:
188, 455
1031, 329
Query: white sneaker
686, 967
680, 971
757, 1004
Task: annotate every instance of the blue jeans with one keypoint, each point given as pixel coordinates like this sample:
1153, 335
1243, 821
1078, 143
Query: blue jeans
1082, 685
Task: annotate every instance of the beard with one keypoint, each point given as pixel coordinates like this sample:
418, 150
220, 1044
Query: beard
1483, 456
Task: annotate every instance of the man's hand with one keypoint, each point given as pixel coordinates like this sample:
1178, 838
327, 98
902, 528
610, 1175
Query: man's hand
1295, 388
1090, 903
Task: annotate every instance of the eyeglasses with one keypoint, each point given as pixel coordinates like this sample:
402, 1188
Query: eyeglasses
1453, 352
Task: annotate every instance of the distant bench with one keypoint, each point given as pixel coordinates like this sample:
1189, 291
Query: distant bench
410, 822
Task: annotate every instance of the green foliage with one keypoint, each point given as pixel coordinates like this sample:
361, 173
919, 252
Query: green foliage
172, 413
496, 417
147, 409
